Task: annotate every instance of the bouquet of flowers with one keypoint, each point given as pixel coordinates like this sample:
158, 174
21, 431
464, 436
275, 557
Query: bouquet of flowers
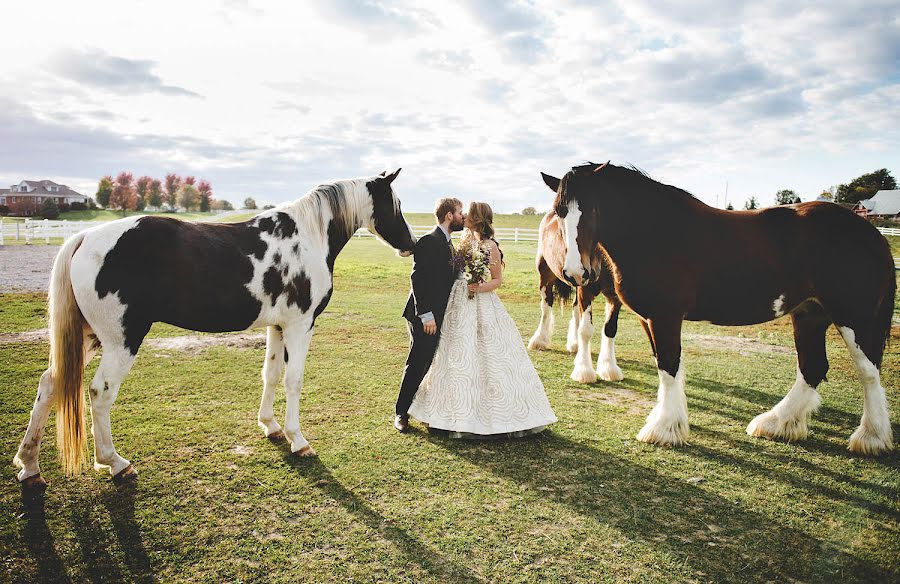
474, 262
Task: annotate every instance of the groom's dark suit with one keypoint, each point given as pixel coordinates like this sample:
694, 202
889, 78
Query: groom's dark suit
432, 278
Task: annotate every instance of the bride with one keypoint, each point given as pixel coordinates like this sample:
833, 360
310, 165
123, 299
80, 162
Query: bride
482, 383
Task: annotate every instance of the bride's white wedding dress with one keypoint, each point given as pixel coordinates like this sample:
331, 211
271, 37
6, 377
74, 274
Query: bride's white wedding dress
482, 382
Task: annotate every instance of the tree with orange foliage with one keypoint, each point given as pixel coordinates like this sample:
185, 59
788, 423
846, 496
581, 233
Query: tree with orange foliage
124, 195
142, 189
206, 195
173, 183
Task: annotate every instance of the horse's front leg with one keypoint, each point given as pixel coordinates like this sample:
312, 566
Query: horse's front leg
541, 338
607, 368
667, 424
297, 337
583, 370
271, 374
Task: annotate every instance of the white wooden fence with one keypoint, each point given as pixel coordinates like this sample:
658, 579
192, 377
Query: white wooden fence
515, 234
43, 230
36, 230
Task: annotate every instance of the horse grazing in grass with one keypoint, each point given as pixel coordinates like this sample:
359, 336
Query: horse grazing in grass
109, 284
680, 259
553, 283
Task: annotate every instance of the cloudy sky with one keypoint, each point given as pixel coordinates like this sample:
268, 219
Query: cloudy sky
472, 99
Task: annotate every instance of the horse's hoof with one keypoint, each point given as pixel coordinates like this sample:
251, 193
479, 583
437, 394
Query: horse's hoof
306, 451
583, 375
277, 436
125, 476
34, 484
536, 344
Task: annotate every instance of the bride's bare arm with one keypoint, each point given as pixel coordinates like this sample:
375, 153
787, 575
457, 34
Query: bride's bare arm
496, 271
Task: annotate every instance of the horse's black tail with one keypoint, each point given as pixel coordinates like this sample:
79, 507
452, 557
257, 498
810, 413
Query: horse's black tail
561, 290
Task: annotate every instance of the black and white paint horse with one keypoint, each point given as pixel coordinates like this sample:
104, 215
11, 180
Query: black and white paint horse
553, 284
109, 284
680, 259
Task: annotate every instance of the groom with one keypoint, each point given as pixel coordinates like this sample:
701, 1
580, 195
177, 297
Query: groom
432, 278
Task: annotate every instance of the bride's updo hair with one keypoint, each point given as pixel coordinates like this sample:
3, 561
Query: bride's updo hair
480, 220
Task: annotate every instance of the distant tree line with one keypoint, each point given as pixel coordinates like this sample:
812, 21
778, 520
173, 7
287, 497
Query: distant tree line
859, 189
126, 194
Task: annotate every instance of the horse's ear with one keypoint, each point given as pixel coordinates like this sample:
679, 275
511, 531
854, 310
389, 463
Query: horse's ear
390, 178
601, 167
382, 173
551, 181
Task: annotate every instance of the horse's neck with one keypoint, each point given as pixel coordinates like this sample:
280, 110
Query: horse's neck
639, 219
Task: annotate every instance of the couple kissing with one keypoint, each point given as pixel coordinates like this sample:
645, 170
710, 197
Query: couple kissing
468, 374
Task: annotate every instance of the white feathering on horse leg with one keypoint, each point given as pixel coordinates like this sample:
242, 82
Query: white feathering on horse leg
584, 370
667, 424
874, 434
789, 419
541, 338
607, 369
572, 334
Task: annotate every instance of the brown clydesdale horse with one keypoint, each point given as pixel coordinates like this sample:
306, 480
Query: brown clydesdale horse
553, 284
680, 259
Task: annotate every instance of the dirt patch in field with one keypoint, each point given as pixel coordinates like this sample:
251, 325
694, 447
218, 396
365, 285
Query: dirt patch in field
251, 340
740, 345
615, 396
24, 337
256, 340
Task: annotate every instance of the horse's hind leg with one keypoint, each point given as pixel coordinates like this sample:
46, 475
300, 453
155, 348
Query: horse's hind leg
789, 419
541, 338
29, 450
271, 374
874, 434
583, 371
115, 363
607, 368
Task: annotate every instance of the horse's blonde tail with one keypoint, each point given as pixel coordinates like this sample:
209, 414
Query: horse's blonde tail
67, 359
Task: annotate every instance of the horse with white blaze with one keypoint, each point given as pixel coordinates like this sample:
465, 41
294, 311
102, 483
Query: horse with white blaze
678, 259
110, 283
553, 283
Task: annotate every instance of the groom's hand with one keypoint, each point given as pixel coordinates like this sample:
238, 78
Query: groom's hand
430, 327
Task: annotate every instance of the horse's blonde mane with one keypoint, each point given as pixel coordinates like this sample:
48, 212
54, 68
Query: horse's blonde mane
346, 202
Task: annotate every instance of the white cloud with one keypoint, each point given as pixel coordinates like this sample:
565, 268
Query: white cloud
470, 98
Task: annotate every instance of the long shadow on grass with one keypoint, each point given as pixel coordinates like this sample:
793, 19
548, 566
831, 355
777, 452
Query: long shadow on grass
98, 549
798, 479
441, 567
666, 513
37, 536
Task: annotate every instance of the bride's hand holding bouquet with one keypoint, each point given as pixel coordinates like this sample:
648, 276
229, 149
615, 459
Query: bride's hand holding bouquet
475, 264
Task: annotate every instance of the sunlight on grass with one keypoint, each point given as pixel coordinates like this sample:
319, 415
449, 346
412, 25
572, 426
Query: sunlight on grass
584, 502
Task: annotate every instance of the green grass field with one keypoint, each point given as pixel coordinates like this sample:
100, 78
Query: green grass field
584, 502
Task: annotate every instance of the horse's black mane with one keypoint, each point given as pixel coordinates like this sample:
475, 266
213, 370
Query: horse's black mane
630, 171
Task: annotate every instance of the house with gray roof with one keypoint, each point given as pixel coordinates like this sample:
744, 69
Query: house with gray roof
26, 197
884, 205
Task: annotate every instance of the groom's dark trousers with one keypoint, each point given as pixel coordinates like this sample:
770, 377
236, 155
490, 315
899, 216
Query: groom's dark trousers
431, 278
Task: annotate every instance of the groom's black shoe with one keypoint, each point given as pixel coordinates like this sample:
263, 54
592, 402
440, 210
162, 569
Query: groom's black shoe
401, 423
